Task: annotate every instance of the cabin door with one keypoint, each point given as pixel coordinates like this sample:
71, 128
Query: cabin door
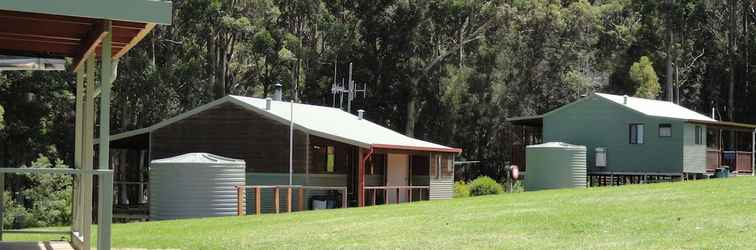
397, 175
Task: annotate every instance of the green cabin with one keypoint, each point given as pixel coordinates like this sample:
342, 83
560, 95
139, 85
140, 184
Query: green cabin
630, 136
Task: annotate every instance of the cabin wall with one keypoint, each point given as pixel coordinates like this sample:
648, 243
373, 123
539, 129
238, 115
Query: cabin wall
694, 155
596, 122
231, 131
441, 176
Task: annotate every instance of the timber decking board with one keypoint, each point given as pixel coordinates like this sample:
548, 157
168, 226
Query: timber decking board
36, 245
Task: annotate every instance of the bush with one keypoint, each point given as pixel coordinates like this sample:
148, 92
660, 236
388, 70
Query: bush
15, 215
461, 189
484, 185
46, 201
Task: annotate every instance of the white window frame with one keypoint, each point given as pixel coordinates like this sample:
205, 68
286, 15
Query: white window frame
665, 127
639, 130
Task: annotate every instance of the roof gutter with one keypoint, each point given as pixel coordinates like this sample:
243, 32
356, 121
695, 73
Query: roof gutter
413, 148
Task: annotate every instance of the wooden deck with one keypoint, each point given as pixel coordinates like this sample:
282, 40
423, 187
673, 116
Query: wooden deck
36, 245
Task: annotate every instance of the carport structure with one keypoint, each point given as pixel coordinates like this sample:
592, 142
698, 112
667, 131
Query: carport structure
85, 31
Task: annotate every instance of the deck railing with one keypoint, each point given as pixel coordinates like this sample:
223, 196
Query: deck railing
104, 204
737, 160
396, 190
241, 200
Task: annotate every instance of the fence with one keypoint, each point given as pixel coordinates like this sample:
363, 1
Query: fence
409, 189
240, 190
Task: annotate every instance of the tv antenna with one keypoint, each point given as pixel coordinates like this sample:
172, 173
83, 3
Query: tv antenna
349, 88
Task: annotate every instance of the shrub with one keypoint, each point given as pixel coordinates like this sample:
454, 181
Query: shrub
484, 185
45, 202
15, 215
49, 195
461, 189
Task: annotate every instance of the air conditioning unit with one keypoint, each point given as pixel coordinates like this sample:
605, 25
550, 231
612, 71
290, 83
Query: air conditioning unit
601, 157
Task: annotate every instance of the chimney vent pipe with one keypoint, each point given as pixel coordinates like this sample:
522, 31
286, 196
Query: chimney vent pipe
360, 114
277, 92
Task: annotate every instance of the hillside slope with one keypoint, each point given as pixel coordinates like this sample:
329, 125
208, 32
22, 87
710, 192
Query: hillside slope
683, 215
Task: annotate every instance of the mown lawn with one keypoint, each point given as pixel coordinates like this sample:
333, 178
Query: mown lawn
710, 214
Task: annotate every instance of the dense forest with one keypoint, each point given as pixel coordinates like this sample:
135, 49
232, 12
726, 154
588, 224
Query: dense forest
447, 71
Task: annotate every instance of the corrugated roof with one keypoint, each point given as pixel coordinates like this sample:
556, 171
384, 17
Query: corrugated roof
656, 108
336, 124
331, 123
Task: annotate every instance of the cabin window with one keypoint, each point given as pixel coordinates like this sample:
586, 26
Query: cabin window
330, 159
665, 130
324, 158
436, 166
699, 135
636, 133
600, 157
447, 167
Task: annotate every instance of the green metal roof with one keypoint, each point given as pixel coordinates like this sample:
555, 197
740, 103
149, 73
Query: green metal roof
141, 11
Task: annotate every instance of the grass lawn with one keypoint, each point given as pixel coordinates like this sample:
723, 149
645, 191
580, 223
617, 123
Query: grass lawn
705, 214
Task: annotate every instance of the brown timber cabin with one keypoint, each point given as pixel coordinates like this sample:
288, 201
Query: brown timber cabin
332, 148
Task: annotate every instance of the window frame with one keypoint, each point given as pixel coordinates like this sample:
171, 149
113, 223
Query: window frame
698, 135
663, 126
639, 137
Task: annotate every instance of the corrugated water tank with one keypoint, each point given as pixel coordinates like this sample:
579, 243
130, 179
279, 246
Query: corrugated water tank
194, 185
555, 165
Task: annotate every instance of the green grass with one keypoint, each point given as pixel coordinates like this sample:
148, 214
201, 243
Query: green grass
706, 214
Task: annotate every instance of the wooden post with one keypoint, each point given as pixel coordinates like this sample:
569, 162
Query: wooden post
344, 198
385, 196
277, 200
288, 199
397, 196
239, 200
301, 198
257, 200
361, 179
410, 194
374, 194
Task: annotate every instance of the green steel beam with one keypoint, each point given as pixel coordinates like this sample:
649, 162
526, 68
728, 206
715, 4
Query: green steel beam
141, 11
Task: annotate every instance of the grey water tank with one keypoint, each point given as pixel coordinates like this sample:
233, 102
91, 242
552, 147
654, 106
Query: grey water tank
555, 165
194, 185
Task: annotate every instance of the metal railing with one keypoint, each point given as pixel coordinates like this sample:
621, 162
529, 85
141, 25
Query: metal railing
104, 202
409, 189
240, 190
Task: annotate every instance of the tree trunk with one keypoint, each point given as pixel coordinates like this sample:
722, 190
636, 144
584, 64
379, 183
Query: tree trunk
669, 86
211, 63
412, 115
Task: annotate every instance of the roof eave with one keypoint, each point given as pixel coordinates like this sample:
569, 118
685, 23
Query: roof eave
140, 11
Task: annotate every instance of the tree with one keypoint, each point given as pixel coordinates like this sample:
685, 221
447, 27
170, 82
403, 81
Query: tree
2, 112
643, 74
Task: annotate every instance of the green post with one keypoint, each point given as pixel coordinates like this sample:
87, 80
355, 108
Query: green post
104, 216
2, 203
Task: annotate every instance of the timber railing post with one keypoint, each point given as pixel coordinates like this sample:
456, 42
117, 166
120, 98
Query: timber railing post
344, 198
374, 194
288, 199
257, 200
277, 200
301, 199
240, 200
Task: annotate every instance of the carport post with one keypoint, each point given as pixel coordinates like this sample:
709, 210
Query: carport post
753, 152
105, 216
